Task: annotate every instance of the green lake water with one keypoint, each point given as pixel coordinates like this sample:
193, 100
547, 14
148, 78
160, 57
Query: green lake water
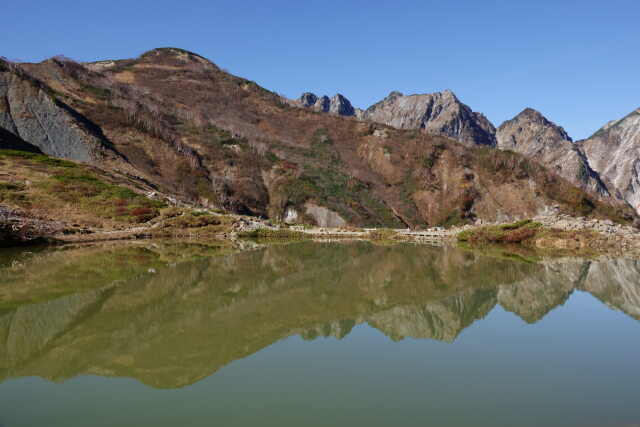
315, 334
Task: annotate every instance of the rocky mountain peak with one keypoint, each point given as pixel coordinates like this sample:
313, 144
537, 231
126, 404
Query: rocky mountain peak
533, 135
174, 55
308, 99
341, 105
531, 112
448, 93
439, 113
337, 104
393, 95
533, 118
613, 123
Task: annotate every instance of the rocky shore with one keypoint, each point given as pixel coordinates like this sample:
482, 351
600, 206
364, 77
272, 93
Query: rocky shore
556, 232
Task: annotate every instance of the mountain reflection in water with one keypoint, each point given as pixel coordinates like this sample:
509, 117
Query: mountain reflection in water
170, 315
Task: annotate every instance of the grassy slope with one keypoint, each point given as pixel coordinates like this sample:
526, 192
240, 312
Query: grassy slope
58, 187
82, 198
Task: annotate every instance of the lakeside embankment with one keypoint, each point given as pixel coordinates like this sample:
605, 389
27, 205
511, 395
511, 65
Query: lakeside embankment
551, 234
44, 200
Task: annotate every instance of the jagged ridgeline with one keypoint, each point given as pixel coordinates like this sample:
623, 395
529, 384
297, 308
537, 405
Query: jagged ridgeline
171, 315
175, 121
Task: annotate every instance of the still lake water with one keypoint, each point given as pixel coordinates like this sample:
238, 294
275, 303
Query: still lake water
305, 334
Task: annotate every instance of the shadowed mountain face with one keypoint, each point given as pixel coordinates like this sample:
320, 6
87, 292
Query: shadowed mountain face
170, 315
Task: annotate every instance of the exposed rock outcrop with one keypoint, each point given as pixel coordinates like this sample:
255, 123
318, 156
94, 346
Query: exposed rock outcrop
531, 134
337, 104
324, 217
439, 113
30, 118
614, 151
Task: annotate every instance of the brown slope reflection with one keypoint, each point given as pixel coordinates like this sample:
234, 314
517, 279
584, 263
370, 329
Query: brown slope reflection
171, 315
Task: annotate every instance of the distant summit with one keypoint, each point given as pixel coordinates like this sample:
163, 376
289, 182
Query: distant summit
337, 104
175, 53
531, 134
439, 113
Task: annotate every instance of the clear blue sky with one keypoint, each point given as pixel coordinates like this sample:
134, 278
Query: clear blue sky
578, 62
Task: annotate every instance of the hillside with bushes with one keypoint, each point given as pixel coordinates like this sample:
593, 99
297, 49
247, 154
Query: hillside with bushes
176, 124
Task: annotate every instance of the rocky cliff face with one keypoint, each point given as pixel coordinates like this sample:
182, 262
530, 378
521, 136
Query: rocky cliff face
614, 151
438, 113
337, 104
29, 117
531, 134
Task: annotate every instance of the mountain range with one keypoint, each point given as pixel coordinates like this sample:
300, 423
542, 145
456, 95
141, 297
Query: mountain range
177, 122
612, 150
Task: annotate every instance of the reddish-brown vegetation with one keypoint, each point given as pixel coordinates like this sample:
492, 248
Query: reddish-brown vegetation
179, 121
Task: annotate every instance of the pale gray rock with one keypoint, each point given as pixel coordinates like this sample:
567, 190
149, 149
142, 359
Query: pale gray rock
323, 104
439, 113
29, 114
337, 104
532, 135
308, 99
290, 216
614, 152
324, 217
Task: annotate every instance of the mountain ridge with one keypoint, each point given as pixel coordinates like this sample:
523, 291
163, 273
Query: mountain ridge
545, 142
178, 121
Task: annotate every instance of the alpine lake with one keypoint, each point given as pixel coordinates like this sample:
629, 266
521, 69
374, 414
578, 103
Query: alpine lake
184, 333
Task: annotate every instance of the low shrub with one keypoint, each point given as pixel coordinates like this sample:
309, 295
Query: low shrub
516, 232
89, 192
194, 220
382, 234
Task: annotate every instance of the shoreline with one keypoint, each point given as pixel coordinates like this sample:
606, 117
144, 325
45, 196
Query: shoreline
553, 235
